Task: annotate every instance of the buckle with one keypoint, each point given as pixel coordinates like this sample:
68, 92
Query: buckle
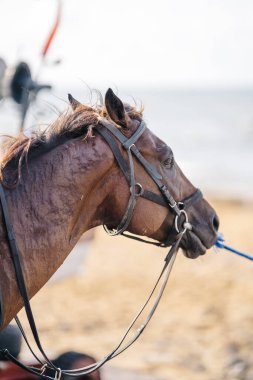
58, 374
43, 369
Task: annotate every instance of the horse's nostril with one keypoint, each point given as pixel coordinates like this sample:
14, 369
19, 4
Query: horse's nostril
216, 222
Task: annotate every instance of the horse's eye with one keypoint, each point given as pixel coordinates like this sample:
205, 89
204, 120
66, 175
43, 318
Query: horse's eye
168, 163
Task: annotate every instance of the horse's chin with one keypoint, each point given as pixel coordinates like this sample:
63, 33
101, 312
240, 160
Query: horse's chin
192, 246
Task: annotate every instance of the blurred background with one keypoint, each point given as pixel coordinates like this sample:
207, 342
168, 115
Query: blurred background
190, 63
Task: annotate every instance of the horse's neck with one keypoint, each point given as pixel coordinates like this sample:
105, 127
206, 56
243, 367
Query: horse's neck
56, 202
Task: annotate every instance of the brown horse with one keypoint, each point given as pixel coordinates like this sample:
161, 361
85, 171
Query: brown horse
65, 180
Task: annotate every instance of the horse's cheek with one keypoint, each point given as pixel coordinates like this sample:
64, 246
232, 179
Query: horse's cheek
148, 217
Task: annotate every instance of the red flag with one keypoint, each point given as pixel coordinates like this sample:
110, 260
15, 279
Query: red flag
52, 32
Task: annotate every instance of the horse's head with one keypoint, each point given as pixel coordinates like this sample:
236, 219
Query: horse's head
149, 218
146, 191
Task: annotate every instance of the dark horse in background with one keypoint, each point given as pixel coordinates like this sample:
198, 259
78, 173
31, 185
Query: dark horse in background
65, 180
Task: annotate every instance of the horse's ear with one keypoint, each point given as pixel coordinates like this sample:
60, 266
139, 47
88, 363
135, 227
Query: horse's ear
73, 102
115, 109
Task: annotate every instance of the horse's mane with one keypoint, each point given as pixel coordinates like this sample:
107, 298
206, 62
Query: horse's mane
17, 150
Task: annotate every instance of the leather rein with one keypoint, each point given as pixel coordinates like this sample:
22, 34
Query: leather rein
110, 133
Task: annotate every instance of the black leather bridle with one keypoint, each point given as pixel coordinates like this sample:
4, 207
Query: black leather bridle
136, 189
110, 133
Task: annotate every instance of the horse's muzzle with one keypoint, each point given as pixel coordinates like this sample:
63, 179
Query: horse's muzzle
199, 240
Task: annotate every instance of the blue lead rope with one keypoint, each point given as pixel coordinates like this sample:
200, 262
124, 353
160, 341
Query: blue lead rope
220, 244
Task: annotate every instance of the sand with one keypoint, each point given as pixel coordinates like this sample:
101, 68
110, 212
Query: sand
203, 328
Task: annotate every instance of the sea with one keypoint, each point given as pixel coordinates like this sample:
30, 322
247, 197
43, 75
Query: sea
209, 131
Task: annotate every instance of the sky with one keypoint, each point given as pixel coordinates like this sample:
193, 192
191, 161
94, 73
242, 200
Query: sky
179, 43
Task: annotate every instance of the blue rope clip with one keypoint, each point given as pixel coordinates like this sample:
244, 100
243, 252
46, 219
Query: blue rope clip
220, 244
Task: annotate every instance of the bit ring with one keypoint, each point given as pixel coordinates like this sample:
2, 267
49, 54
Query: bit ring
186, 225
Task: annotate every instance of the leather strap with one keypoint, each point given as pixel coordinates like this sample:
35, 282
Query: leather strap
135, 136
116, 152
19, 272
169, 261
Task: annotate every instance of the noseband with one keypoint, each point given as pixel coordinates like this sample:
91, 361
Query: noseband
109, 133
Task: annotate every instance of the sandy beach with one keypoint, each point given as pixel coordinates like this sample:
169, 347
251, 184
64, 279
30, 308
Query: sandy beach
203, 328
